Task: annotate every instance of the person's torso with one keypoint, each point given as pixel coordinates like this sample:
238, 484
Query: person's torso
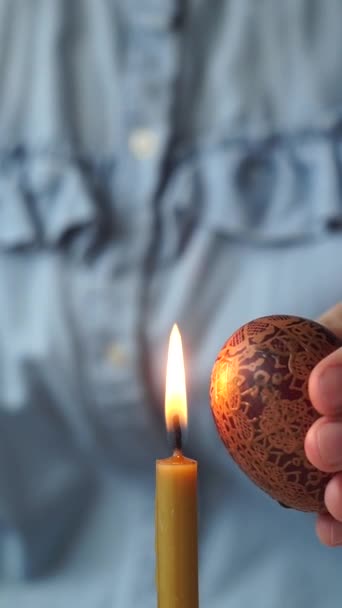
159, 162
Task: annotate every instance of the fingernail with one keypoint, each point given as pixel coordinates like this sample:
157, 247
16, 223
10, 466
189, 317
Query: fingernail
326, 530
329, 443
330, 531
330, 385
336, 533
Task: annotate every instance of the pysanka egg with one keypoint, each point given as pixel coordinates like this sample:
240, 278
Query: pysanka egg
260, 403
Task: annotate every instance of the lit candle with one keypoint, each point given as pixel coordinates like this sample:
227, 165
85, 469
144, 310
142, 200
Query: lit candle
176, 498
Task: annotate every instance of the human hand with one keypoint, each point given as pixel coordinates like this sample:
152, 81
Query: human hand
323, 442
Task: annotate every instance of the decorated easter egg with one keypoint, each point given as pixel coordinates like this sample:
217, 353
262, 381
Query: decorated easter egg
261, 407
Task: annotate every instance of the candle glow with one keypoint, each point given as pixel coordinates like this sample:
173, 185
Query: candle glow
175, 389
176, 498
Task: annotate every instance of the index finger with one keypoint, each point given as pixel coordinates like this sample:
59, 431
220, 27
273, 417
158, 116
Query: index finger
332, 319
325, 382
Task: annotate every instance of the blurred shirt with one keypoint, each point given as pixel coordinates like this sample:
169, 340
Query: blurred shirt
160, 161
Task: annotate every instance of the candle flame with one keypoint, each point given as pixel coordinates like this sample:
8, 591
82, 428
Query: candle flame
175, 392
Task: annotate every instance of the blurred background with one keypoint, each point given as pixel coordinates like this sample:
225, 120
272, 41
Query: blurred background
160, 161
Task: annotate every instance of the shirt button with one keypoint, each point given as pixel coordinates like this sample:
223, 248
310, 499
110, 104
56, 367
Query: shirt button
143, 143
116, 355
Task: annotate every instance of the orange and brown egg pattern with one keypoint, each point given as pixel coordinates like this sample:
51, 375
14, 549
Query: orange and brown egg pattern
260, 403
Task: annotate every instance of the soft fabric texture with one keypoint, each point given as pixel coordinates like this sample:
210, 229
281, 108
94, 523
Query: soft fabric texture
160, 161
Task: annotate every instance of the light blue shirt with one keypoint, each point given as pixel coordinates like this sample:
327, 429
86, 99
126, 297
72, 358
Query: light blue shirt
160, 161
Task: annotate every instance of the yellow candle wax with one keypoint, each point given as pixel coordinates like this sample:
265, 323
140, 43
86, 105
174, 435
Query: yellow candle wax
176, 532
176, 498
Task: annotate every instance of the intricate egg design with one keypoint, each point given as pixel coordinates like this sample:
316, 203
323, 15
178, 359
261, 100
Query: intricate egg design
260, 403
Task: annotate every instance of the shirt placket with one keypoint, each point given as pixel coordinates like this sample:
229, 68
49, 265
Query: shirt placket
112, 349
152, 60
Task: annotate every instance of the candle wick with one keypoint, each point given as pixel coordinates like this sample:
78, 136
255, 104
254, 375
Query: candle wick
177, 433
